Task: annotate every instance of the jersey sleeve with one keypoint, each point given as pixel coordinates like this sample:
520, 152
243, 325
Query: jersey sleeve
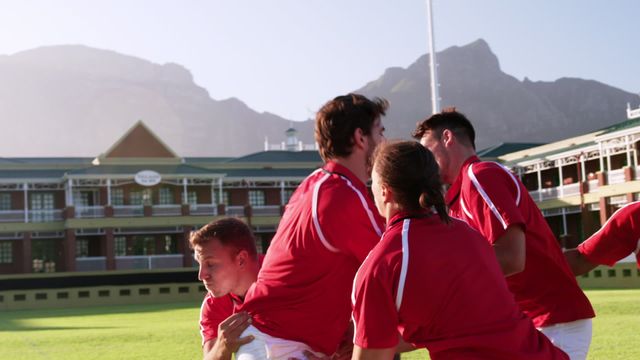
348, 220
374, 310
212, 312
492, 200
618, 238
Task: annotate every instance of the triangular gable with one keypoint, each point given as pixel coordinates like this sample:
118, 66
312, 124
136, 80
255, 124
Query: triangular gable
139, 142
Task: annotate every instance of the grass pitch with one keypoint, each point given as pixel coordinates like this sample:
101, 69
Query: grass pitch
170, 331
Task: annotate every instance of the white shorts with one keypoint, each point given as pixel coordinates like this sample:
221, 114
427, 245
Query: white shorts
266, 346
573, 337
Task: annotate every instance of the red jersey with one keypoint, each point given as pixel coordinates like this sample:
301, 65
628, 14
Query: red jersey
490, 199
215, 310
618, 237
440, 286
302, 291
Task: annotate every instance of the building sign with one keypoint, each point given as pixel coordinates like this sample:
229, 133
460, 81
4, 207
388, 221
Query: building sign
147, 178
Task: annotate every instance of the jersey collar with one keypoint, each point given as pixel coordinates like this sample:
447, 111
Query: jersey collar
335, 168
454, 189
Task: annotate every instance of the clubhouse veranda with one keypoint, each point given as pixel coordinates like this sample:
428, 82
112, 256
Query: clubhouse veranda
134, 206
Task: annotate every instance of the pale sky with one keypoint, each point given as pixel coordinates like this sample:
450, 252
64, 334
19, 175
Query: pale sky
289, 56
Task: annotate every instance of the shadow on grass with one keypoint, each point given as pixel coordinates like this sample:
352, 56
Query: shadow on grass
14, 327
19, 315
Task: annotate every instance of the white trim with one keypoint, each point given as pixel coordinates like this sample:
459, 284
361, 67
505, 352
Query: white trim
637, 248
405, 262
484, 195
464, 208
515, 182
314, 212
363, 201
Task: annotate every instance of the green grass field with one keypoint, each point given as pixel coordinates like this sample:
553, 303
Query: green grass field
171, 331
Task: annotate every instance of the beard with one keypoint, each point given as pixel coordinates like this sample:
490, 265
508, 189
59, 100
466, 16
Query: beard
369, 160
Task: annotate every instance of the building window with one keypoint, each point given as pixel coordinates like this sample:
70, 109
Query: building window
144, 245
192, 198
135, 198
287, 195
120, 245
5, 201
225, 197
256, 197
170, 245
6, 252
165, 196
82, 247
41, 206
117, 197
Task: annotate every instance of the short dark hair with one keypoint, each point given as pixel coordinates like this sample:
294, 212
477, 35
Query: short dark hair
448, 119
412, 172
229, 232
337, 120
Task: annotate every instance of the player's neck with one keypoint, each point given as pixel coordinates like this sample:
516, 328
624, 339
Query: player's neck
356, 165
458, 158
247, 278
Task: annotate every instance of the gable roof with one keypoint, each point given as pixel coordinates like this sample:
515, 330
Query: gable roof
139, 142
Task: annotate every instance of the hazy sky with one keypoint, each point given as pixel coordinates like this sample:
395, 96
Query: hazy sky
290, 56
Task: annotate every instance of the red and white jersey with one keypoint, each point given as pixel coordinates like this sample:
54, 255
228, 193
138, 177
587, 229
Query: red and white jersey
490, 198
302, 291
440, 286
215, 310
618, 237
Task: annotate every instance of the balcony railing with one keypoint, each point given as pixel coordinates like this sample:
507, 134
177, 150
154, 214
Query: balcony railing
234, 210
128, 210
91, 263
12, 216
45, 215
84, 212
266, 210
615, 177
571, 189
203, 209
149, 261
166, 210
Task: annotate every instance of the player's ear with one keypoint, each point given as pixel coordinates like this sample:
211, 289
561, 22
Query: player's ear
242, 258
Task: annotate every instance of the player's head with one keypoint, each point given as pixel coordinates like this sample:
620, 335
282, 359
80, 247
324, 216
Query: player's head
224, 249
405, 177
447, 134
347, 122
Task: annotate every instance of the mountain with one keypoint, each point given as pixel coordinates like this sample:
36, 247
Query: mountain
77, 101
501, 107
74, 100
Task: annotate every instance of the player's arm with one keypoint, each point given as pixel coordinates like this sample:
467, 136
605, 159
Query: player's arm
510, 250
228, 340
578, 263
373, 354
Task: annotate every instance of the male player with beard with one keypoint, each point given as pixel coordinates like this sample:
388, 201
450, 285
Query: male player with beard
301, 300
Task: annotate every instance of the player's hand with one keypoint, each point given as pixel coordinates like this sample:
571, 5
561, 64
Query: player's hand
229, 331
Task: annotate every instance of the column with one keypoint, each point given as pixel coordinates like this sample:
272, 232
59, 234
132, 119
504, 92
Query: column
184, 248
539, 182
69, 250
564, 221
26, 257
559, 162
109, 249
25, 186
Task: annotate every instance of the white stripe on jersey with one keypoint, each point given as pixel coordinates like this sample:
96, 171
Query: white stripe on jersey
364, 205
314, 212
405, 262
638, 248
464, 208
484, 195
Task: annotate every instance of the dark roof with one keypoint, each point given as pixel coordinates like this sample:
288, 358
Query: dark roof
621, 126
132, 169
32, 174
505, 148
48, 160
267, 173
281, 156
207, 160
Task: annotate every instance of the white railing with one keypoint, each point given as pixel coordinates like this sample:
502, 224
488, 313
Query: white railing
166, 210
12, 216
618, 200
615, 177
45, 215
571, 189
266, 210
89, 212
91, 263
234, 210
149, 261
593, 185
203, 209
128, 210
